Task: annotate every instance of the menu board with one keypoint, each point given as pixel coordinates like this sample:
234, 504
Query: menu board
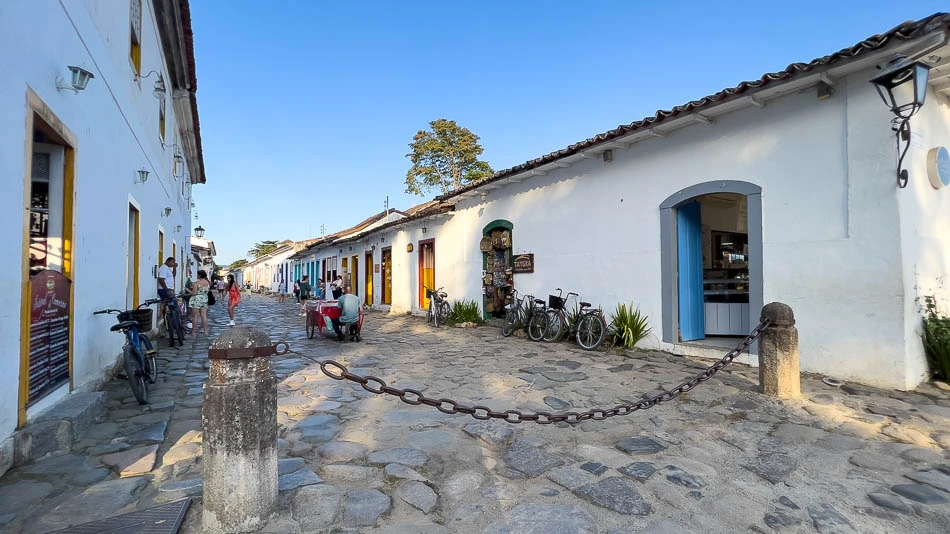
49, 332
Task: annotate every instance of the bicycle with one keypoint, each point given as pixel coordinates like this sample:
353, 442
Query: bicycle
173, 322
557, 319
438, 311
591, 328
529, 313
138, 355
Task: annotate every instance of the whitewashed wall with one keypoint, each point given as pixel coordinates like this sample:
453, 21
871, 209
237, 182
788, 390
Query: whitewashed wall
116, 124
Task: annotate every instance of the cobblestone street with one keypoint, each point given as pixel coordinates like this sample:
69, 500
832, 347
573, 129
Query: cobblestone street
721, 458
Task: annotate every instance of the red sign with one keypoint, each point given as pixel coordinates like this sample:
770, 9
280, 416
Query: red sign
49, 332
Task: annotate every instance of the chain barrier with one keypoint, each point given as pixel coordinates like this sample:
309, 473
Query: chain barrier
378, 386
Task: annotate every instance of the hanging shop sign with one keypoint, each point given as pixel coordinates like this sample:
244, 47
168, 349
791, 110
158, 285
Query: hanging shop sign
523, 263
938, 167
49, 333
485, 244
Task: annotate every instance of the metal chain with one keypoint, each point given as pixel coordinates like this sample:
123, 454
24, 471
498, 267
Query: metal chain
378, 386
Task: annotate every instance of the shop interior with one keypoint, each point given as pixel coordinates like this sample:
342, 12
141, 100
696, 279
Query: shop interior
725, 242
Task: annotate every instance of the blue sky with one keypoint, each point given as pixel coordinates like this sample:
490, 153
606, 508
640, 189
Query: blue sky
307, 107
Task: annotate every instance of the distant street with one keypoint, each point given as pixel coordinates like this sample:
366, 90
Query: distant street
721, 458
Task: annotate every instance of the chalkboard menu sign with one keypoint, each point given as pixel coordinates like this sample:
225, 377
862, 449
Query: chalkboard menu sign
49, 332
523, 263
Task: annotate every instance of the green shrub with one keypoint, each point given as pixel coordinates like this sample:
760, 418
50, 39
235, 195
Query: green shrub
465, 311
937, 339
629, 325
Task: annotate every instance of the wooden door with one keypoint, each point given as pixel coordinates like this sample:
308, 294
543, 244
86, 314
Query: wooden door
387, 275
426, 270
369, 279
689, 241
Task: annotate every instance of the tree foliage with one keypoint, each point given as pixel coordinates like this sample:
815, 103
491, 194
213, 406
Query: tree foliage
237, 264
262, 248
445, 158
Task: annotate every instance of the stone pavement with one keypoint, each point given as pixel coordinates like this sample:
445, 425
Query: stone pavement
721, 458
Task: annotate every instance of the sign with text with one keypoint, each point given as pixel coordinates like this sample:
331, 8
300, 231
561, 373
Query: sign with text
523, 263
49, 333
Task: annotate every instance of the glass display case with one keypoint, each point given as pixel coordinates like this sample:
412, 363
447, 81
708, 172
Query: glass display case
726, 285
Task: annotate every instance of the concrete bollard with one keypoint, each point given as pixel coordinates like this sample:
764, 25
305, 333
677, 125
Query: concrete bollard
779, 371
239, 426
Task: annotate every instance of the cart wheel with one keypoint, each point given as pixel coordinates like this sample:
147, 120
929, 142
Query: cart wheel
310, 326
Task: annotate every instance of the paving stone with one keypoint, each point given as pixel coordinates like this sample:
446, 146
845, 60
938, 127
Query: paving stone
780, 519
617, 494
289, 465
133, 462
923, 456
908, 435
403, 472
353, 474
90, 503
933, 478
560, 376
822, 398
58, 465
316, 508
920, 493
556, 403
432, 440
827, 520
678, 476
418, 495
571, 477
531, 518
774, 466
891, 502
363, 507
530, 460
342, 451
173, 491
182, 452
876, 462
639, 445
549, 492
107, 448
89, 477
19, 495
666, 527
398, 455
152, 434
788, 503
195, 391
594, 467
496, 434
318, 428
302, 477
639, 470
7, 518
161, 405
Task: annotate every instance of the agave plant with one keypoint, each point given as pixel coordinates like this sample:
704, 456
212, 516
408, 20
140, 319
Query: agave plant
629, 325
465, 311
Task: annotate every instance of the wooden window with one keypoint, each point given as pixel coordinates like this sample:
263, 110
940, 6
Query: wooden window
161, 248
135, 44
161, 123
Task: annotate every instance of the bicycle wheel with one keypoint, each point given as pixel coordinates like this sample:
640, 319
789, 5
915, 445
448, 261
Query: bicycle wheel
511, 323
430, 315
177, 328
311, 326
556, 322
151, 371
135, 374
537, 325
442, 313
591, 330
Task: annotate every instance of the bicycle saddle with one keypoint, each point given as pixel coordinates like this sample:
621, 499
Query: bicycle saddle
124, 325
585, 304
538, 301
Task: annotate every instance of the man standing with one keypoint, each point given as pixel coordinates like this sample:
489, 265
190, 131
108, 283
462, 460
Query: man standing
166, 278
350, 305
304, 294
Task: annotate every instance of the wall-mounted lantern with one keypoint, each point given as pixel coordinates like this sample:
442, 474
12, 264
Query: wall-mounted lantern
199, 232
80, 77
890, 83
143, 176
167, 211
424, 229
409, 247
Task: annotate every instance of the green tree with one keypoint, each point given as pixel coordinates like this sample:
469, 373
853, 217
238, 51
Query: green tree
445, 157
237, 264
262, 248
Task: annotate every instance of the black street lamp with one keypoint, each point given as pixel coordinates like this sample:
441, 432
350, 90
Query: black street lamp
899, 72
199, 232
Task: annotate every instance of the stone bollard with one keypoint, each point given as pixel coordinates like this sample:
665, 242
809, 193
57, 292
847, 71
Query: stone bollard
239, 427
779, 372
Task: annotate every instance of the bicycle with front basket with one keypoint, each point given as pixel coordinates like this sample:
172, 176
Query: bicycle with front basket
138, 354
558, 320
528, 313
439, 310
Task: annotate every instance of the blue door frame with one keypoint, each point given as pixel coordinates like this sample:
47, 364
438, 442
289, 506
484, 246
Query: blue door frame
689, 242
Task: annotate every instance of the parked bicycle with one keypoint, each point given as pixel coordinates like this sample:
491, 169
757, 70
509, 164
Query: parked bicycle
558, 319
174, 324
138, 355
591, 327
528, 313
439, 310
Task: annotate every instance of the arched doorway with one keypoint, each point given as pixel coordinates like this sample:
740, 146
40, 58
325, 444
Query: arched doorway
711, 272
497, 280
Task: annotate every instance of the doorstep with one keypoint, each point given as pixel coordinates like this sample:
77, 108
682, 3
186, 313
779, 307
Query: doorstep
54, 431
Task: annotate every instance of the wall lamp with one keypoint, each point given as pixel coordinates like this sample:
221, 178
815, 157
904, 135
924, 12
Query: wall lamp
80, 77
484, 195
179, 168
158, 90
168, 212
199, 232
143, 176
424, 229
896, 74
178, 228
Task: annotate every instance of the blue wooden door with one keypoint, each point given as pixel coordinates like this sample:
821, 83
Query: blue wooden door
689, 248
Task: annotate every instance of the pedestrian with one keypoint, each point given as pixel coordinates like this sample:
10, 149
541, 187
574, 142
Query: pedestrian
337, 287
199, 302
297, 290
304, 294
221, 287
282, 291
234, 297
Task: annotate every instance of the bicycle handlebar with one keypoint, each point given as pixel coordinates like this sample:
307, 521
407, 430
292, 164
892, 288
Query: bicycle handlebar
110, 310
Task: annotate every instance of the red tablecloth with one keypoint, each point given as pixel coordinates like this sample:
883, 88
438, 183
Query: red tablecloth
325, 311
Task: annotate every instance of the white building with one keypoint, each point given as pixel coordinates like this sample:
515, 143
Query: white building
781, 189
99, 173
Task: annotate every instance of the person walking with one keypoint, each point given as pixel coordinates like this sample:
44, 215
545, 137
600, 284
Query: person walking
304, 294
199, 302
234, 297
337, 287
281, 291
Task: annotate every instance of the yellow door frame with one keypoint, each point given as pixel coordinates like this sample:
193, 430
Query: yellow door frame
135, 253
54, 127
